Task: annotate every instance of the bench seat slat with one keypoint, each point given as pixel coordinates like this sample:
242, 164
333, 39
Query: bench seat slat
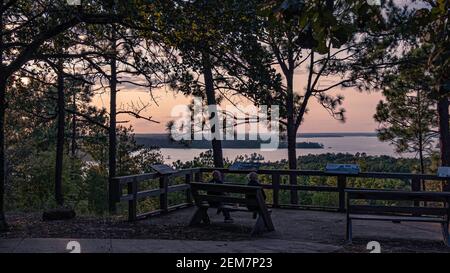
397, 218
368, 209
398, 195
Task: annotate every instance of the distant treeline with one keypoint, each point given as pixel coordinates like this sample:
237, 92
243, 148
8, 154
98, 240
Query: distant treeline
164, 141
344, 134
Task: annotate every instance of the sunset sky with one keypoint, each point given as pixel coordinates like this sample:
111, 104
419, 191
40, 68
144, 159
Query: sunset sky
360, 109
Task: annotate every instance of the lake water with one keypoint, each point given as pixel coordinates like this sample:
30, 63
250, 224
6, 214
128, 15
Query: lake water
347, 144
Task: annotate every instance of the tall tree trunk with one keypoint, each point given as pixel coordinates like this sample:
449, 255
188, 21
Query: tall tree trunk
421, 132
3, 224
290, 109
3, 81
112, 164
73, 145
422, 163
291, 134
291, 121
292, 153
60, 138
211, 100
444, 134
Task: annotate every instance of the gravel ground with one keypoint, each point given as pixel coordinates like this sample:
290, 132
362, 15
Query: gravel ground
32, 226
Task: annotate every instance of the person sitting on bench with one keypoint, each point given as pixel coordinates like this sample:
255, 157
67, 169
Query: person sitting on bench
217, 179
253, 181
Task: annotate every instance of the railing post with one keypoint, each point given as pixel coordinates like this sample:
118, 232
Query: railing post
276, 190
187, 180
132, 204
446, 185
416, 186
294, 192
163, 197
342, 184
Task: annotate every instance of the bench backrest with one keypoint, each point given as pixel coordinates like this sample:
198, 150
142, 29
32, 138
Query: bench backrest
225, 193
386, 195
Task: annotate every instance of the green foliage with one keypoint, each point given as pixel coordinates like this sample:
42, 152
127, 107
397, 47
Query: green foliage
31, 188
96, 190
407, 116
434, 28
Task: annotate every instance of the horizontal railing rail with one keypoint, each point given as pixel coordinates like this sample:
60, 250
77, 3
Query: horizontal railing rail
380, 175
133, 195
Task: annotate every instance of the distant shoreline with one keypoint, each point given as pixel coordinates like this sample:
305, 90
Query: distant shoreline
300, 135
322, 135
163, 141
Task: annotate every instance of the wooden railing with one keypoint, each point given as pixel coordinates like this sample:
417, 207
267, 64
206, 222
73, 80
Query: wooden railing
415, 181
133, 195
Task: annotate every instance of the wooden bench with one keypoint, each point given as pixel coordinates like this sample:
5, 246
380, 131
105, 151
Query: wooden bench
230, 196
398, 214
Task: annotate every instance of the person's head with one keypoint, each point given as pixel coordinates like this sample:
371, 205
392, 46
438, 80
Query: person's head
217, 175
252, 176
